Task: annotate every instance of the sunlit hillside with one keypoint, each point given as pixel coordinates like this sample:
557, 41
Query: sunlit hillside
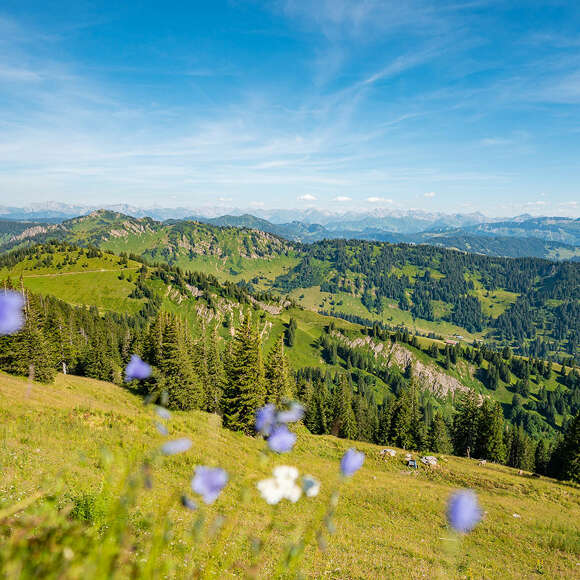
59, 442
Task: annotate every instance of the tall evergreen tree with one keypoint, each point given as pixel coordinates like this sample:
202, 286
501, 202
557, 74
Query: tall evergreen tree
401, 431
182, 385
490, 444
439, 440
31, 352
520, 453
277, 371
344, 421
542, 457
466, 424
215, 374
565, 463
244, 393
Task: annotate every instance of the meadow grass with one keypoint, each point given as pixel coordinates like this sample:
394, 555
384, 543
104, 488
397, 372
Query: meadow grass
390, 522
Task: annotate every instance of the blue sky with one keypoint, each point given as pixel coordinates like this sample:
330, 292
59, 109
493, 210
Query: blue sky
454, 106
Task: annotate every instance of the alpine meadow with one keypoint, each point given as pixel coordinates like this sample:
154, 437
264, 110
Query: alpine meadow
289, 290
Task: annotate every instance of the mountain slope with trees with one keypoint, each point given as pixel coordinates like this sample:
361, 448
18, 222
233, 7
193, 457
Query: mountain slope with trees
218, 348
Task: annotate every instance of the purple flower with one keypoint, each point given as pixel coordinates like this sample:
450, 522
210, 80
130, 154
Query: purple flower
163, 413
11, 317
209, 482
176, 446
162, 429
463, 511
281, 440
137, 369
265, 419
188, 503
293, 414
351, 462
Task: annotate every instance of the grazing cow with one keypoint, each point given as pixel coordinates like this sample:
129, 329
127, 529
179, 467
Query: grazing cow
482, 461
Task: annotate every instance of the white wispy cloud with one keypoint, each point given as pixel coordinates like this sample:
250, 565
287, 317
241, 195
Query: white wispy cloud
307, 197
374, 199
342, 198
429, 194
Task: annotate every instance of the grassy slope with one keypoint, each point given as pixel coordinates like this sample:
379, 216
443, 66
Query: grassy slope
95, 282
389, 523
91, 281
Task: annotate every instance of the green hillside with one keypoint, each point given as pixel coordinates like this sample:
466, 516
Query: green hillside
539, 396
530, 304
60, 441
229, 253
113, 284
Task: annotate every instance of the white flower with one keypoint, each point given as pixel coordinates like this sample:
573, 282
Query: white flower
270, 491
310, 485
285, 473
281, 486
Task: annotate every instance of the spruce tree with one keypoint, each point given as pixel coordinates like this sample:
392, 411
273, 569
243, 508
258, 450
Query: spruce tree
417, 423
520, 451
401, 433
439, 440
30, 352
490, 444
181, 383
542, 457
567, 455
244, 393
466, 424
344, 421
385, 419
215, 374
277, 371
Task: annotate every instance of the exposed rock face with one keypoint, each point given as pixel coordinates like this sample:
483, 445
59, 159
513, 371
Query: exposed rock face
35, 231
429, 376
270, 308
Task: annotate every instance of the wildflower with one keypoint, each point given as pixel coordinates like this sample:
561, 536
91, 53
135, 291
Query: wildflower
162, 429
188, 503
293, 414
281, 440
281, 486
209, 482
11, 317
163, 413
266, 419
176, 446
310, 486
463, 511
137, 369
351, 462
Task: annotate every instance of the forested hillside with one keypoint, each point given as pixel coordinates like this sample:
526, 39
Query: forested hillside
214, 344
529, 304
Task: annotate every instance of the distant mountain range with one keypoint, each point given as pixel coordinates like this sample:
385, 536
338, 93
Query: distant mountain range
545, 237
537, 237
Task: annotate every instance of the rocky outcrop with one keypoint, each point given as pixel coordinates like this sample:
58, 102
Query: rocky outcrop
430, 377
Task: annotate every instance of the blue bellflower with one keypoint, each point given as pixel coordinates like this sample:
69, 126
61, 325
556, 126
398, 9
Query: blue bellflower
351, 462
463, 511
281, 439
292, 415
137, 369
266, 419
209, 482
176, 446
11, 316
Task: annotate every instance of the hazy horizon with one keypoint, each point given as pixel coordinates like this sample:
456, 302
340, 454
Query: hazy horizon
218, 210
